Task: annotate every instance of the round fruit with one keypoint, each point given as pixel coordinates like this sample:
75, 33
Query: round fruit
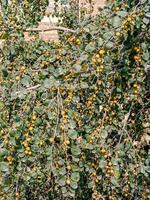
31, 128
17, 194
103, 151
118, 34
101, 52
51, 140
68, 181
34, 117
97, 56
69, 167
17, 78
67, 142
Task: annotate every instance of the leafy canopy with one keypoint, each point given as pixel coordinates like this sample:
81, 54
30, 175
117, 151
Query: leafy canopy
74, 115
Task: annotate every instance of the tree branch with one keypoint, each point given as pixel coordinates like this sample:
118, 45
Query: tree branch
58, 28
29, 89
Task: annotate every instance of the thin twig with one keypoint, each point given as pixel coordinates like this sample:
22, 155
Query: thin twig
58, 28
125, 121
79, 6
29, 89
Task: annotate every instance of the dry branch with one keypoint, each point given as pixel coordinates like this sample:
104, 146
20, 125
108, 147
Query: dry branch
58, 28
29, 89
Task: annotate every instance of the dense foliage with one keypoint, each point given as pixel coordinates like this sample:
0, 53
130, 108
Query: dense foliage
75, 115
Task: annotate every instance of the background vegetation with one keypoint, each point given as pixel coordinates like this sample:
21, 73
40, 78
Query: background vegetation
75, 115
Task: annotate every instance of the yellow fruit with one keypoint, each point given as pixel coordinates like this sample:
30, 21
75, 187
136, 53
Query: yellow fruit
28, 148
103, 151
9, 158
93, 60
10, 162
6, 141
23, 68
109, 164
67, 142
68, 181
117, 8
31, 128
17, 194
94, 174
101, 66
69, 167
34, 117
96, 180
25, 144
118, 34
111, 198
137, 49
78, 41
111, 172
113, 113
101, 52
63, 113
28, 139
97, 56
136, 92
65, 121
51, 140
129, 19
135, 85
105, 156
17, 78
30, 153
91, 141
41, 143
26, 152
99, 60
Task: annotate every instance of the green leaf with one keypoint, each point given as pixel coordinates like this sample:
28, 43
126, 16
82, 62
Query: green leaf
73, 134
90, 48
147, 14
62, 171
104, 134
48, 83
75, 150
77, 67
146, 20
107, 35
3, 152
146, 56
114, 181
102, 164
26, 81
116, 21
84, 85
109, 45
100, 42
122, 13
62, 181
4, 167
64, 190
1, 105
74, 185
72, 124
75, 176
